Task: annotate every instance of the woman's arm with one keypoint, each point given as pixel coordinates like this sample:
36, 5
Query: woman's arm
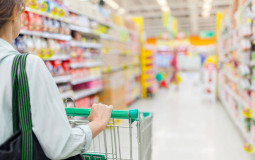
49, 120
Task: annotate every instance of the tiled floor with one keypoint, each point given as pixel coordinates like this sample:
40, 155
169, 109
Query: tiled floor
186, 127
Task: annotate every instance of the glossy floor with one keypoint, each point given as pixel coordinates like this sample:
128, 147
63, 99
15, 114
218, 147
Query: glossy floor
188, 127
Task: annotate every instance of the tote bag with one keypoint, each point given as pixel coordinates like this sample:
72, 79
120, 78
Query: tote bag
23, 144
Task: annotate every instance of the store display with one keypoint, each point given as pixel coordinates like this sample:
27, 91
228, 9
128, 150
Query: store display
236, 76
78, 45
114, 92
148, 77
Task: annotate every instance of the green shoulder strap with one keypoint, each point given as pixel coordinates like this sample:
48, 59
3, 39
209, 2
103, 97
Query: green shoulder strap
21, 101
15, 85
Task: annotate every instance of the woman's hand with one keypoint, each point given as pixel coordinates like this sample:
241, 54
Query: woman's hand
99, 118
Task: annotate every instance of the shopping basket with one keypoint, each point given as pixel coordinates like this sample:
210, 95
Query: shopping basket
128, 135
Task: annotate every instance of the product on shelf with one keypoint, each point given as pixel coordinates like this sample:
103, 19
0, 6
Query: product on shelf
236, 47
64, 88
44, 48
114, 92
58, 68
71, 40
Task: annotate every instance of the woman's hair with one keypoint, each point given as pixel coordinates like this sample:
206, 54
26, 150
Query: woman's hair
9, 9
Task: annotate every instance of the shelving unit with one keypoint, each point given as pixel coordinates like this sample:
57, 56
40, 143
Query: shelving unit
85, 93
76, 65
67, 94
149, 84
236, 75
78, 68
62, 79
47, 35
84, 80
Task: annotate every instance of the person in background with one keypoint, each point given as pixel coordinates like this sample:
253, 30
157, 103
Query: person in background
174, 66
202, 59
49, 121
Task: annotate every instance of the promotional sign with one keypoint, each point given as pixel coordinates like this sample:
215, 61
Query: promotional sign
170, 23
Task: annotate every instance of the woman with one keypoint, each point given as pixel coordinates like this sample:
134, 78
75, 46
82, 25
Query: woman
49, 121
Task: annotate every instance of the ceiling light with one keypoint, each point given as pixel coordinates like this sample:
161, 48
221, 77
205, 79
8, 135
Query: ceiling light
165, 9
207, 6
206, 14
208, 1
162, 2
122, 11
112, 4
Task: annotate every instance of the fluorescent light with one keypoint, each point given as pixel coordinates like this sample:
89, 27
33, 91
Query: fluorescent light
164, 6
207, 6
162, 2
205, 14
208, 1
112, 4
165, 9
122, 11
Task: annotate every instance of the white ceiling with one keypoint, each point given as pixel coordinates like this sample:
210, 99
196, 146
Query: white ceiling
187, 12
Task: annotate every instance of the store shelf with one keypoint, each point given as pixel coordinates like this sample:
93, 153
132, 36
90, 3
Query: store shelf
84, 80
85, 44
245, 135
62, 57
117, 68
85, 30
110, 25
75, 65
87, 92
237, 97
36, 11
67, 94
111, 69
62, 79
92, 18
114, 51
231, 77
109, 37
47, 35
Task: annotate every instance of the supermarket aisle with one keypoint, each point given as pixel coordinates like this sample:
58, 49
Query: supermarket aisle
188, 128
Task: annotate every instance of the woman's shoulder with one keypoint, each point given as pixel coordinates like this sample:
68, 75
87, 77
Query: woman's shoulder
32, 57
34, 60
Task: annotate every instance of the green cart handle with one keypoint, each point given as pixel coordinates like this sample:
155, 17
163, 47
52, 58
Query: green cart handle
132, 114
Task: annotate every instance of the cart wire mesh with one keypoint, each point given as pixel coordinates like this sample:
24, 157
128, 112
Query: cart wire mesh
124, 138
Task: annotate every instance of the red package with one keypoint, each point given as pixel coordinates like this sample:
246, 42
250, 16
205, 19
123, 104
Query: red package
32, 21
25, 20
58, 68
66, 67
39, 23
49, 65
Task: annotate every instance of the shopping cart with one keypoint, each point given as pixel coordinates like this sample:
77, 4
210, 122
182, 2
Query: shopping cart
128, 135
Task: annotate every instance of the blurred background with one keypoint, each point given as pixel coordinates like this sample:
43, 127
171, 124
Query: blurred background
189, 62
